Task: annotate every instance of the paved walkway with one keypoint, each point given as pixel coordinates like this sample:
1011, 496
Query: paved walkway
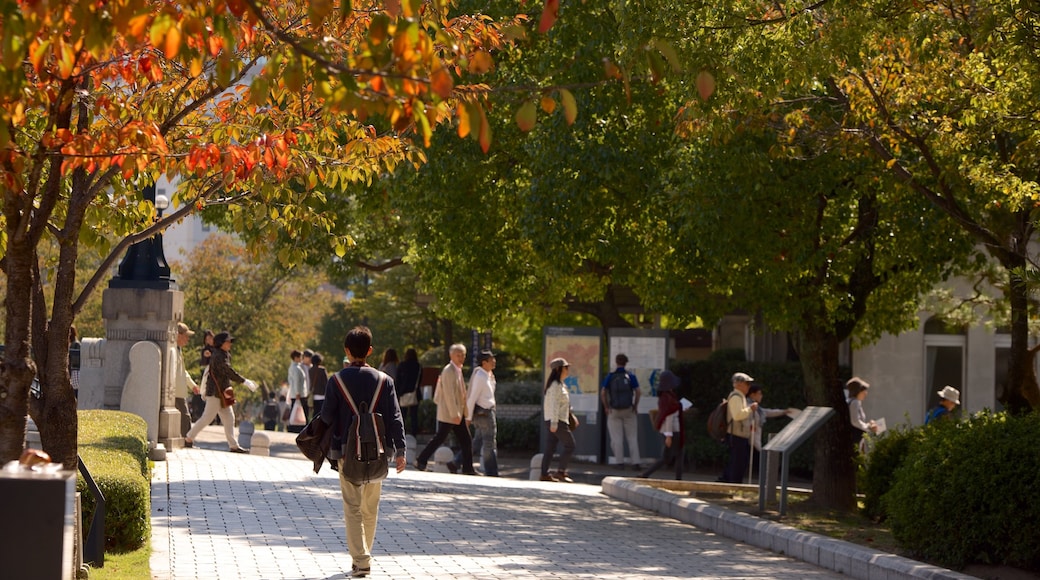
229, 516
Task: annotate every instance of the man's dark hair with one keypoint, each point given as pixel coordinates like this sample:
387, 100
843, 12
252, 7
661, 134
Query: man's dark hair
358, 341
294, 354
621, 360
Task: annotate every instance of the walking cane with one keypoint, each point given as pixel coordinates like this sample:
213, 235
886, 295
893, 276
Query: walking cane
751, 450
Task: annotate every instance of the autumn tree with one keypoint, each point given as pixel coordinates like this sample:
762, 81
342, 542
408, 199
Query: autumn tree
269, 308
244, 104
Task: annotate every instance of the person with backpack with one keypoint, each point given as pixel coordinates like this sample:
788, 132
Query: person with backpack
361, 382
270, 412
620, 397
739, 431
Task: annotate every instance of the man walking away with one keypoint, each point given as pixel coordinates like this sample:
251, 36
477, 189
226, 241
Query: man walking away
361, 502
620, 397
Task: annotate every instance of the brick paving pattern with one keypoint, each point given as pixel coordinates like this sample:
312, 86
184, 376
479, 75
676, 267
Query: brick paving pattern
221, 515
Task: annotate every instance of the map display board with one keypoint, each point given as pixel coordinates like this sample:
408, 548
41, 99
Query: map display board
582, 347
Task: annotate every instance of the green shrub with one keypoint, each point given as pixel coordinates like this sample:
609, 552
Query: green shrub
114, 447
705, 383
519, 434
877, 472
966, 492
527, 393
427, 416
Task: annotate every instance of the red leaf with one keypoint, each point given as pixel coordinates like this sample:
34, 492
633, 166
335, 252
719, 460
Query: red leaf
549, 15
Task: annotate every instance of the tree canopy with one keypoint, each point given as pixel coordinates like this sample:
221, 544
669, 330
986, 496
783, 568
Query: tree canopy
245, 104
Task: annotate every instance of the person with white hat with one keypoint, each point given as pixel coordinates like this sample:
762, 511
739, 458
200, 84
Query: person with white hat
948, 401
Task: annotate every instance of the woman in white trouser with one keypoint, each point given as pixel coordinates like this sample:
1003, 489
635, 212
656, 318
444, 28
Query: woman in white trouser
227, 419
220, 375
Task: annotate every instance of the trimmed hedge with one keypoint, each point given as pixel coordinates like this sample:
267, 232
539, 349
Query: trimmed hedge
519, 434
966, 492
114, 447
877, 471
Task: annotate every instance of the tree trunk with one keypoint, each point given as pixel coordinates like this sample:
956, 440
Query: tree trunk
17, 369
1021, 393
834, 474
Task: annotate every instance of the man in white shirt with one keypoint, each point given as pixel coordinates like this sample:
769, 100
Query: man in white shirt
481, 406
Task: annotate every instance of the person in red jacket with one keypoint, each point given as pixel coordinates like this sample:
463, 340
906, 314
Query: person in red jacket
669, 424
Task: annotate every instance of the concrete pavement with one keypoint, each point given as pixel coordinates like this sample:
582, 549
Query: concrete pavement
222, 515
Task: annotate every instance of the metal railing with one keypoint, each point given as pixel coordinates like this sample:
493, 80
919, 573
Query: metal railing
94, 544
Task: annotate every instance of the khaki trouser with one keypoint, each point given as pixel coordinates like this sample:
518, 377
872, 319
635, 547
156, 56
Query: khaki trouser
360, 513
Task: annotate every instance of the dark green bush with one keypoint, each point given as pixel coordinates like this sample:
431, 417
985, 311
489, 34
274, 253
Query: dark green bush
519, 434
427, 416
877, 472
527, 393
966, 492
705, 383
114, 447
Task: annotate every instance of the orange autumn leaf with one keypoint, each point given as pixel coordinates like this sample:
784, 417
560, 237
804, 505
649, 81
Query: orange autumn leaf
549, 14
441, 82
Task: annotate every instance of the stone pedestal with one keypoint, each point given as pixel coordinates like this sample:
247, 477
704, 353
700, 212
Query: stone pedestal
134, 315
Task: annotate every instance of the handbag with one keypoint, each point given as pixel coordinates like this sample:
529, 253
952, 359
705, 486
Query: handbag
409, 399
297, 418
572, 420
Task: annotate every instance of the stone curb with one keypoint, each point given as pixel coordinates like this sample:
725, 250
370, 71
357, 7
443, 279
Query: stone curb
838, 555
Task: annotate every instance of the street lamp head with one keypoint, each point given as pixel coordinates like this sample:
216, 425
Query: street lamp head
162, 202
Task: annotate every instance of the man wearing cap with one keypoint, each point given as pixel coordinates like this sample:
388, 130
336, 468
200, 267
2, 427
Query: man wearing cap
220, 376
480, 404
182, 381
452, 417
739, 430
948, 401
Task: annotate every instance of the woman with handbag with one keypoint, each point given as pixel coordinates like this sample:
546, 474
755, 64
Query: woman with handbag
220, 397
557, 411
409, 372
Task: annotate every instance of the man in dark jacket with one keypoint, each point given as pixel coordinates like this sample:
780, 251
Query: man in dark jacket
361, 502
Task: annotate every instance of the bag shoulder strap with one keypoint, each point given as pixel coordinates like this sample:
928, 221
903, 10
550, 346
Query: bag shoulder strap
350, 400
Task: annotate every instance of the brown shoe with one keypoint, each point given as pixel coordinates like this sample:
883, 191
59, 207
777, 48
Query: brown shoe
548, 477
562, 476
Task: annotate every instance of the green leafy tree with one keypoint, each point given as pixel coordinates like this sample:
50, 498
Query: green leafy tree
562, 212
269, 309
943, 95
819, 244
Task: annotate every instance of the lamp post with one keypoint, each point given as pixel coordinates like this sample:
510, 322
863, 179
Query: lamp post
144, 265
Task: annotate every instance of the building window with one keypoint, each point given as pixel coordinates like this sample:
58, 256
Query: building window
1001, 365
944, 359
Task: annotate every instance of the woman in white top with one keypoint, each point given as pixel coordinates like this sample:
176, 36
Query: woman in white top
556, 411
857, 389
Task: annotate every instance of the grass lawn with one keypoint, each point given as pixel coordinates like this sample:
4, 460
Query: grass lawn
126, 566
803, 515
